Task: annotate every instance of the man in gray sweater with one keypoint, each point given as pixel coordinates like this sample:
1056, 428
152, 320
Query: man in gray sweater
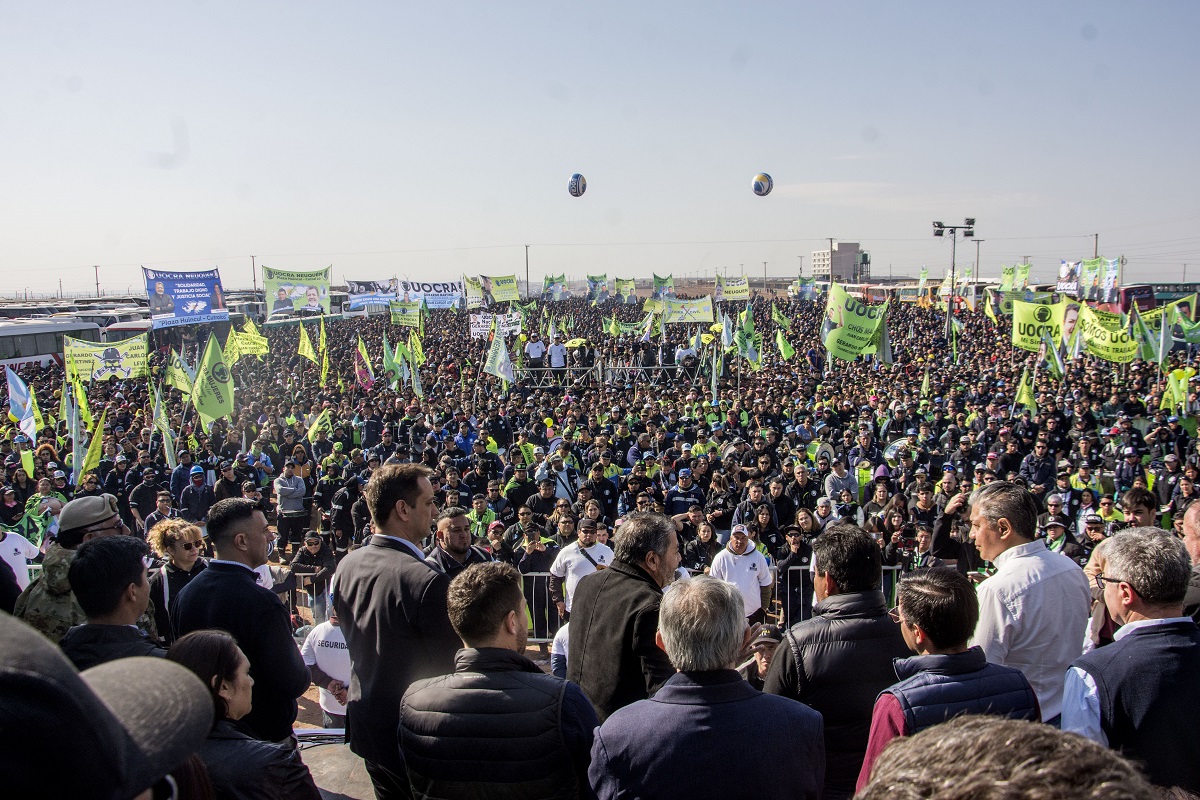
291, 518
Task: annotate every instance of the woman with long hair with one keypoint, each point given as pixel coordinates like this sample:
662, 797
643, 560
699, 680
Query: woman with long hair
178, 543
698, 554
240, 766
722, 501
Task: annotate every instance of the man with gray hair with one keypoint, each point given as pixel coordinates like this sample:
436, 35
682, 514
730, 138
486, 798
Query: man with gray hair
1139, 695
1032, 607
614, 656
649, 748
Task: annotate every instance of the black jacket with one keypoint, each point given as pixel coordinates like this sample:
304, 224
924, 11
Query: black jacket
838, 662
319, 566
498, 727
243, 768
391, 607
89, 645
164, 600
227, 597
613, 656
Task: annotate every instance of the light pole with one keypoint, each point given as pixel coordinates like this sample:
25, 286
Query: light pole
968, 231
977, 243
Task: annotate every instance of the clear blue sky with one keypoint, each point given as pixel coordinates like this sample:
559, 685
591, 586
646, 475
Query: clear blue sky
427, 140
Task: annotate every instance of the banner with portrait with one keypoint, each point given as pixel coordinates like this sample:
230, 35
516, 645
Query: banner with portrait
597, 288
731, 289
553, 287
663, 287
291, 291
1068, 278
434, 294
1021, 279
184, 298
92, 361
1007, 276
500, 289
506, 324
850, 327
473, 291
626, 289
371, 293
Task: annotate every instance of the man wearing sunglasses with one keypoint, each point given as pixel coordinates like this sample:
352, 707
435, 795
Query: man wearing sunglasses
48, 604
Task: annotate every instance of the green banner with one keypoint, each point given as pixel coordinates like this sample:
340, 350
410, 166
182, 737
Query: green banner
1104, 337
850, 327
731, 289
688, 311
499, 289
664, 287
473, 289
91, 361
1007, 275
553, 287
405, 314
297, 291
1030, 319
213, 392
1021, 279
923, 280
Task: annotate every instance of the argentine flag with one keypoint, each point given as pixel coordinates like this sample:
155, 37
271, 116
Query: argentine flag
19, 405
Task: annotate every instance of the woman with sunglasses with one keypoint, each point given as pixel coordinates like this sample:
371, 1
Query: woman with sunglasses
178, 543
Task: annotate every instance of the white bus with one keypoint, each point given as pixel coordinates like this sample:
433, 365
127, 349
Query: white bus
40, 341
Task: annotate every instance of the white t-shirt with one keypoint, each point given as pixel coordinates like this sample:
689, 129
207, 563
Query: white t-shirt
572, 565
326, 647
16, 549
748, 572
535, 348
559, 646
558, 355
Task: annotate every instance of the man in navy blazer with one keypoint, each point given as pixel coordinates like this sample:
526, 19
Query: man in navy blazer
391, 606
230, 599
669, 746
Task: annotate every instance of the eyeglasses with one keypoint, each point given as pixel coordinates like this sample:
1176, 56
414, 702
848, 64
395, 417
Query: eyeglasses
189, 545
894, 614
118, 527
1101, 580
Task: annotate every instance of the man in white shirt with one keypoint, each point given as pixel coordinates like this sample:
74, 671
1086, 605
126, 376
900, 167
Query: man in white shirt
535, 351
580, 558
1032, 607
328, 660
558, 357
17, 550
741, 564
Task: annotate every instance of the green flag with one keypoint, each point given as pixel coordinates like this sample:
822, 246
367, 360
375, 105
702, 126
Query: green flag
177, 375
305, 347
416, 348
391, 370
498, 362
786, 351
779, 319
213, 393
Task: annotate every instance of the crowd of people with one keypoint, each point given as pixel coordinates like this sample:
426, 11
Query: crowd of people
676, 550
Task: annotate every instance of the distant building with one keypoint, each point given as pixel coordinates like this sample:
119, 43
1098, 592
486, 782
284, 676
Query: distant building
850, 263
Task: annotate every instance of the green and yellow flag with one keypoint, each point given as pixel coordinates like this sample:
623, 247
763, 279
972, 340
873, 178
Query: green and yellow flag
417, 349
177, 374
786, 351
1030, 320
321, 423
95, 448
779, 319
213, 392
323, 343
1025, 395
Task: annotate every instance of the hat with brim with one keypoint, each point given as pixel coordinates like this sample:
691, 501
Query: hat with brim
83, 512
111, 732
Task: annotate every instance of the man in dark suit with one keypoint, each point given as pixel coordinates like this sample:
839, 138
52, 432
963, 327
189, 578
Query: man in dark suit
227, 596
705, 706
612, 652
391, 604
1139, 694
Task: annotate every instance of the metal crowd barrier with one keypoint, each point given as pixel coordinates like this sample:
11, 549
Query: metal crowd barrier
791, 598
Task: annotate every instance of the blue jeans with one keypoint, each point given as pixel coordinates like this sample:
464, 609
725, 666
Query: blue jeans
319, 603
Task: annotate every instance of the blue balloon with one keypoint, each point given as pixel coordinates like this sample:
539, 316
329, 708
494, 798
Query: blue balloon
577, 185
763, 184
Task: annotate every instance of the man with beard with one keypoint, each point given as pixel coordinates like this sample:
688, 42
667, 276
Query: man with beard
453, 551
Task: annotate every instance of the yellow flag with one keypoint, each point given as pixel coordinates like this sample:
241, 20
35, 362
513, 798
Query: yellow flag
322, 342
416, 348
324, 368
305, 347
95, 448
